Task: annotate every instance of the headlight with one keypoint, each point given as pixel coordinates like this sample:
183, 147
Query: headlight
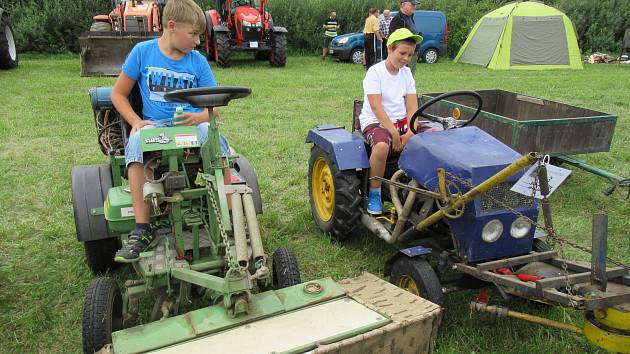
343, 41
520, 227
492, 231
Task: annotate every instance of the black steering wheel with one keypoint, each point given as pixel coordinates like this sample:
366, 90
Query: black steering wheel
202, 97
420, 112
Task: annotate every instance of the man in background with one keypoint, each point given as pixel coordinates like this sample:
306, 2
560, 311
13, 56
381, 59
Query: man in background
404, 19
372, 34
331, 29
384, 28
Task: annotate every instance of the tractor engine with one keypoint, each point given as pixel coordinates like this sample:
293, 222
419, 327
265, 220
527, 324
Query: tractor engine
141, 16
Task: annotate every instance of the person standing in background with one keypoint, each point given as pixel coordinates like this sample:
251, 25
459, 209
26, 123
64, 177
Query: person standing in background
372, 34
331, 29
383, 25
404, 19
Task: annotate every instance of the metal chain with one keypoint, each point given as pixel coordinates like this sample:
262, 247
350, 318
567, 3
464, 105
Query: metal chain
231, 261
550, 231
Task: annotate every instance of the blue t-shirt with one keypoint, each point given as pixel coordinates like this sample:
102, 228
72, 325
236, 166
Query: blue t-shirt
157, 74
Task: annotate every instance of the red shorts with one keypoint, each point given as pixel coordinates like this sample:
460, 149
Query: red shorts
376, 133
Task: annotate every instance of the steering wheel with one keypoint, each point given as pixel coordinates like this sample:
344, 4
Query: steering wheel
448, 123
202, 97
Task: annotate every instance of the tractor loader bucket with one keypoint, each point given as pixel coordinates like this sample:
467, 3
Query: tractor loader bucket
103, 53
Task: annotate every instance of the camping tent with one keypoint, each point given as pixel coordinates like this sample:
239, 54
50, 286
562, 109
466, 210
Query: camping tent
522, 35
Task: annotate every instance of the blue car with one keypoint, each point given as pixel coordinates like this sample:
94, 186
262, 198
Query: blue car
432, 25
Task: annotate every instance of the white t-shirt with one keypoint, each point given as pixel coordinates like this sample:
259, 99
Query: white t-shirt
393, 89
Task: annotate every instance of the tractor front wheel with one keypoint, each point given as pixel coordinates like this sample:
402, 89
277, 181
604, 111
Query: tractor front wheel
222, 49
102, 314
334, 195
285, 270
417, 277
278, 55
8, 50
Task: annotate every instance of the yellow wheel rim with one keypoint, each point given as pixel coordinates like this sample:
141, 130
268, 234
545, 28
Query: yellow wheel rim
408, 284
323, 189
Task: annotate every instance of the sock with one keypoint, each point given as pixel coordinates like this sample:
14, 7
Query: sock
375, 190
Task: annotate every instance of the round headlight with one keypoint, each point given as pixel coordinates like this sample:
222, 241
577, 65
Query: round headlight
520, 227
492, 231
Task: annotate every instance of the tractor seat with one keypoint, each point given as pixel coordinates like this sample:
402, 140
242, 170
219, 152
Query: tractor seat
392, 159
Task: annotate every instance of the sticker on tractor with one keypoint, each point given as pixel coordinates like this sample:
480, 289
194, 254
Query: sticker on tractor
186, 140
125, 212
160, 139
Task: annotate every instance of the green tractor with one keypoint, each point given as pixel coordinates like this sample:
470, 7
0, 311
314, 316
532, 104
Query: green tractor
203, 248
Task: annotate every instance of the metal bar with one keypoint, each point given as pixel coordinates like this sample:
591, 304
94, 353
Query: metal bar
584, 166
210, 281
204, 266
255, 240
500, 311
563, 299
577, 267
576, 278
510, 262
195, 242
510, 281
407, 187
240, 238
543, 181
499, 177
599, 276
606, 301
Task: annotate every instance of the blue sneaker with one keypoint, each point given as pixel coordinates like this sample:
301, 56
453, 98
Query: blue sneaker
375, 206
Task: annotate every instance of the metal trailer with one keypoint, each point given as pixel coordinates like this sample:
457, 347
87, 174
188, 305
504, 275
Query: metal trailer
527, 123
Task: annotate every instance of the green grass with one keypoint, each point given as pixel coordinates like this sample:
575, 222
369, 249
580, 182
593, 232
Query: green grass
46, 127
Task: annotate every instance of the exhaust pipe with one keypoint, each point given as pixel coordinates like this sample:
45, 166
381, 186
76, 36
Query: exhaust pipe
377, 228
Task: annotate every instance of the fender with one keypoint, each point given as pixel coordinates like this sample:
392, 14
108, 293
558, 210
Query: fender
212, 18
278, 29
411, 252
347, 150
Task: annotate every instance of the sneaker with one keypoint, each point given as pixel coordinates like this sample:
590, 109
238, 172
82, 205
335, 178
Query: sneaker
375, 207
137, 242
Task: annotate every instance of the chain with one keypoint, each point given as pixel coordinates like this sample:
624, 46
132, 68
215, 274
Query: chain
550, 231
231, 261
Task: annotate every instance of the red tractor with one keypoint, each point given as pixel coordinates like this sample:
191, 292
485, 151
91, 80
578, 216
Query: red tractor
244, 25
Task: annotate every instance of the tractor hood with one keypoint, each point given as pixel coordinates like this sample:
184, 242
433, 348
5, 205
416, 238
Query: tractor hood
248, 14
469, 153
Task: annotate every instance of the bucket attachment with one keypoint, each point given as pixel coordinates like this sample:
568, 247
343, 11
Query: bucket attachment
103, 53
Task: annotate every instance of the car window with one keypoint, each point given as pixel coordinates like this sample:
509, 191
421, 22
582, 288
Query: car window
428, 24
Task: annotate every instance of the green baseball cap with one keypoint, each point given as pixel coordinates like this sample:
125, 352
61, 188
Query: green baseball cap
403, 33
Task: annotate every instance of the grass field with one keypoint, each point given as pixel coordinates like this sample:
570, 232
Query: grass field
46, 127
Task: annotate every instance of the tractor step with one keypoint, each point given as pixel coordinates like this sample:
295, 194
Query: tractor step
162, 257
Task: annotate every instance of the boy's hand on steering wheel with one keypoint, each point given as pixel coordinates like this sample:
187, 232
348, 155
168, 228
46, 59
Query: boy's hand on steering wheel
141, 123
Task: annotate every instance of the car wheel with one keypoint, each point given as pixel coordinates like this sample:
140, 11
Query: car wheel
8, 50
356, 56
430, 56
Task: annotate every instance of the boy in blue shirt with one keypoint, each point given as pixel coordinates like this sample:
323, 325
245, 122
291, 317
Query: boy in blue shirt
158, 66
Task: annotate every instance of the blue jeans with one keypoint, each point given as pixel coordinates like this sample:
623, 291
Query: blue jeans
133, 150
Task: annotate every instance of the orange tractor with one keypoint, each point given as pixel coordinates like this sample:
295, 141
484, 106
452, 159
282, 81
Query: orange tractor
111, 37
244, 25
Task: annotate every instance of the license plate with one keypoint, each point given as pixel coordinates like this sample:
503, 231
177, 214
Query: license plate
253, 44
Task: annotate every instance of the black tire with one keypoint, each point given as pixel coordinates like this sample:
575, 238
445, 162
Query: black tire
540, 246
356, 56
278, 55
102, 314
430, 56
100, 26
416, 276
89, 190
224, 49
8, 49
285, 270
246, 170
335, 210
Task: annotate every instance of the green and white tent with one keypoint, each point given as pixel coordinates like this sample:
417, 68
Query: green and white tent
522, 35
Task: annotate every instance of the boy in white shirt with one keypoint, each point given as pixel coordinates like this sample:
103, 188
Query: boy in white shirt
390, 90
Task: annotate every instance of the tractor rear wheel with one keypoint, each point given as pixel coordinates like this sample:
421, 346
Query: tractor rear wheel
8, 50
90, 185
223, 49
285, 269
246, 170
100, 26
334, 195
417, 277
278, 55
102, 314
